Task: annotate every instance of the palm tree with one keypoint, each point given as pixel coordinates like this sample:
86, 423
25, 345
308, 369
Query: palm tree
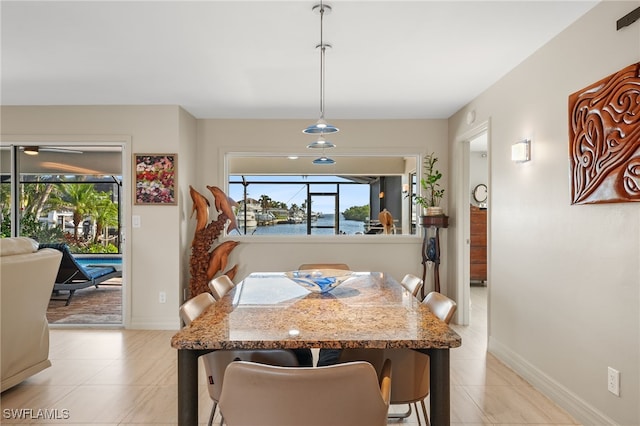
106, 214
81, 198
265, 202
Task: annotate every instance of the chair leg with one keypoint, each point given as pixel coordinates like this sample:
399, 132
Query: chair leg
401, 415
424, 412
213, 412
69, 298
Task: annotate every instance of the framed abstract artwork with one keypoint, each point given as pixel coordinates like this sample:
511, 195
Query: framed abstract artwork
155, 178
604, 139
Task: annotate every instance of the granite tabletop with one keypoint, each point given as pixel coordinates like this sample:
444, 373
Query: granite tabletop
268, 311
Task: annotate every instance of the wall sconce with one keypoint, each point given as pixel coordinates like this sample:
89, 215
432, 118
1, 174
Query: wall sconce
521, 151
381, 194
405, 188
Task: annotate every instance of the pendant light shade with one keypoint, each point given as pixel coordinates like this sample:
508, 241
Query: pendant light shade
321, 143
323, 160
321, 126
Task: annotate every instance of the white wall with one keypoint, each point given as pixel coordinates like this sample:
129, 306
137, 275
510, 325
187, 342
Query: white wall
160, 248
564, 280
396, 255
155, 261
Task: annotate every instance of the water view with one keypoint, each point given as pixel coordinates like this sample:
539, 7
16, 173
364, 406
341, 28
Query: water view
349, 227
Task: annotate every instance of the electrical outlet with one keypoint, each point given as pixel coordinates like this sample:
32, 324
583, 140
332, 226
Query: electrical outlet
613, 381
163, 297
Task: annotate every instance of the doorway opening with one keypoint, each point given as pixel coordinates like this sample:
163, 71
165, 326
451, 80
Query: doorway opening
70, 195
472, 207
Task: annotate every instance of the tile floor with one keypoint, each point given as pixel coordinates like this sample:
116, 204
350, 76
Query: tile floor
128, 377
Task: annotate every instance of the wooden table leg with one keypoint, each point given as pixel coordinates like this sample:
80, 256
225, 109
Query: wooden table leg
440, 387
188, 387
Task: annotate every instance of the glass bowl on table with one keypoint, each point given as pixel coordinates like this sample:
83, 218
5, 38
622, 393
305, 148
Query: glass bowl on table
319, 280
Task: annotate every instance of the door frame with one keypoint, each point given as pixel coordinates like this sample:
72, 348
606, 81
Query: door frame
463, 236
124, 143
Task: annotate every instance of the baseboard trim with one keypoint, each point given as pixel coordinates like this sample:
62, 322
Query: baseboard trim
137, 324
573, 404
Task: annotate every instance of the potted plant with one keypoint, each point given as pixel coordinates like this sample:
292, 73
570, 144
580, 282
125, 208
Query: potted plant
431, 193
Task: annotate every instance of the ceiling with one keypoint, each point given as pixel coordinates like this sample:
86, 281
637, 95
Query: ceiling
241, 59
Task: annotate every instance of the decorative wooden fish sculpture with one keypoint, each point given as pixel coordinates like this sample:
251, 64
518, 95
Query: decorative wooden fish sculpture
200, 208
219, 258
231, 273
223, 204
386, 220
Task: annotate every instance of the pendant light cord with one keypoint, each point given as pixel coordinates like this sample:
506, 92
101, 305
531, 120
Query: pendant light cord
322, 49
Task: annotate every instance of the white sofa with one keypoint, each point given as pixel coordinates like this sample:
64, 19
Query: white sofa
27, 276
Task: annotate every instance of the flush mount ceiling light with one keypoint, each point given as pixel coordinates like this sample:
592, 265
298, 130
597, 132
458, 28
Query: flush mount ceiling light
31, 150
321, 126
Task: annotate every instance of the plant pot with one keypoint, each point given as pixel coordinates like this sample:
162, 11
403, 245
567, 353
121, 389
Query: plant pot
434, 211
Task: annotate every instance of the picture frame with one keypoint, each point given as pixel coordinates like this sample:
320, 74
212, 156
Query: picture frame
155, 179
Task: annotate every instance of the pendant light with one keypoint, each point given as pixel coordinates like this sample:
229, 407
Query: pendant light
321, 126
321, 143
324, 160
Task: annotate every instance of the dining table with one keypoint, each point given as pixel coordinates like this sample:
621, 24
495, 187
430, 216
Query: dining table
270, 310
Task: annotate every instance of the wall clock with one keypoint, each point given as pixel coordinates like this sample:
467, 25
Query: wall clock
480, 193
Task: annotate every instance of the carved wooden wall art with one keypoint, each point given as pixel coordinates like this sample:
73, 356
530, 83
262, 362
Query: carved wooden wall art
604, 139
205, 263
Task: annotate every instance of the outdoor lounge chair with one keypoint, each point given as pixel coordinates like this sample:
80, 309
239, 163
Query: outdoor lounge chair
73, 276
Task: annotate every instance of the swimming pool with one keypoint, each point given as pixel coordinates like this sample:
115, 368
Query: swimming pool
109, 260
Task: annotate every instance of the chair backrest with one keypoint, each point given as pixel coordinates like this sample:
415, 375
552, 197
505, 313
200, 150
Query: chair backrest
194, 307
412, 283
69, 268
410, 370
338, 395
220, 286
215, 364
306, 266
440, 305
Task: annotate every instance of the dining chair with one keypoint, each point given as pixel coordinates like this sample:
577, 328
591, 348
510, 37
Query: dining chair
410, 368
412, 283
306, 266
216, 362
338, 395
220, 286
440, 305
194, 307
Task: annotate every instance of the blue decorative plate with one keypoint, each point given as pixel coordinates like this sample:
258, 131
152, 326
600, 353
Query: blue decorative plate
319, 280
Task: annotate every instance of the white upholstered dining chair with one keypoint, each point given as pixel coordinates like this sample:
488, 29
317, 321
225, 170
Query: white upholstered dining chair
412, 283
216, 362
338, 395
306, 266
194, 307
220, 286
410, 368
440, 305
